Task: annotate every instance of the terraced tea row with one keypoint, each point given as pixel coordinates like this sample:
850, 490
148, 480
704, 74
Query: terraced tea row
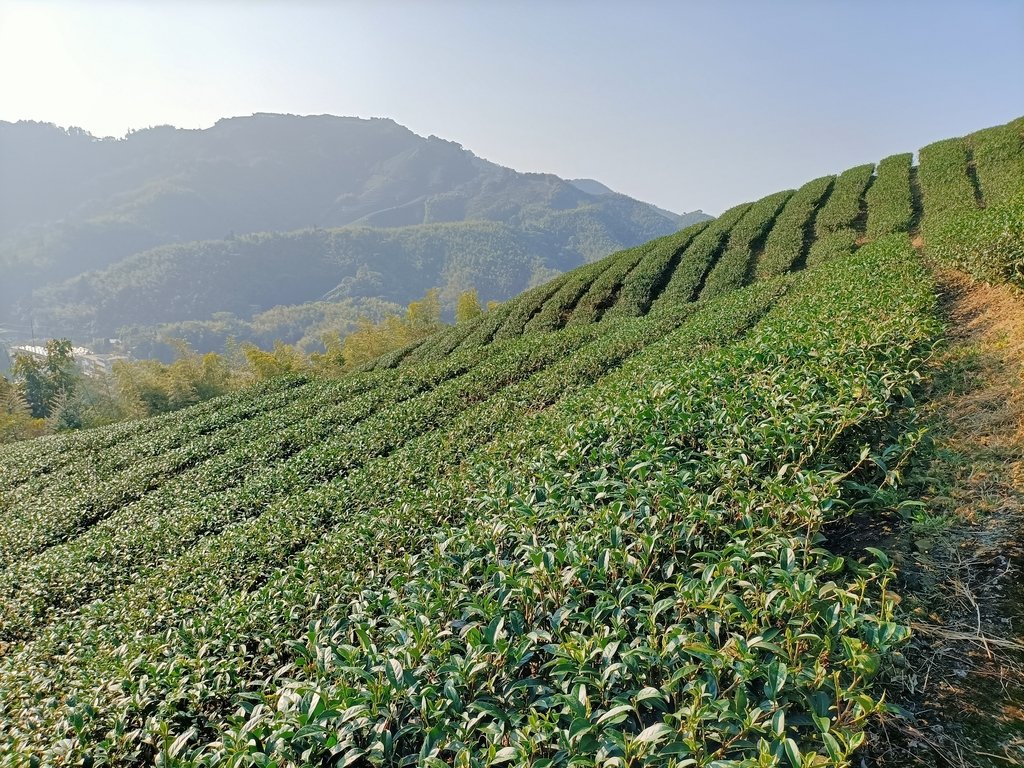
240, 637
734, 267
284, 423
355, 496
748, 242
282, 455
647, 279
45, 456
973, 189
827, 218
890, 199
838, 223
787, 244
635, 591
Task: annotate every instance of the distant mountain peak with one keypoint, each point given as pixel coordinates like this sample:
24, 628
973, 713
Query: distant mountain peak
591, 186
597, 189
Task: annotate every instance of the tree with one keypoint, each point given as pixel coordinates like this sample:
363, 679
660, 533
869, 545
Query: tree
467, 306
284, 359
44, 382
332, 360
371, 340
423, 317
152, 387
16, 421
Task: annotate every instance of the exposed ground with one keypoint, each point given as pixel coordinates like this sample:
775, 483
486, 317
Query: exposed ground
961, 556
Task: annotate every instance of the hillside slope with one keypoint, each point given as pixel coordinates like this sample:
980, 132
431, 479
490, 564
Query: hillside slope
588, 527
246, 275
72, 204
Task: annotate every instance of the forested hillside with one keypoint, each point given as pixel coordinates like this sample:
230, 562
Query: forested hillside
252, 274
599, 524
231, 208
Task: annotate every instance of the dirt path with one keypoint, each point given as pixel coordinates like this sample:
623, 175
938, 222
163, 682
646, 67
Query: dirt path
961, 557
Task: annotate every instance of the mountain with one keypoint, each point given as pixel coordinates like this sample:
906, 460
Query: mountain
591, 186
646, 513
596, 188
73, 204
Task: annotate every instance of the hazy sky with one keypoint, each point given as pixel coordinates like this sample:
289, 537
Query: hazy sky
685, 105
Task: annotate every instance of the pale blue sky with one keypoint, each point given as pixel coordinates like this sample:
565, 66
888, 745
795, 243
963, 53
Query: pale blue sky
685, 105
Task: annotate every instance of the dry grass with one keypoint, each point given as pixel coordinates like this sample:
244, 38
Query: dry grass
983, 416
964, 681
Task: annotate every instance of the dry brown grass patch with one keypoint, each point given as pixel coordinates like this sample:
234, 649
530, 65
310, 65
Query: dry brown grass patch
964, 682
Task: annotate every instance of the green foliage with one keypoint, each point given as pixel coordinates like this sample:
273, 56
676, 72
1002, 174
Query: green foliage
787, 242
843, 207
650, 275
46, 383
557, 310
361, 487
600, 545
572, 571
371, 340
510, 315
282, 360
41, 458
734, 267
423, 317
946, 188
831, 246
604, 289
998, 155
16, 420
444, 342
509, 320
144, 388
839, 221
988, 243
365, 207
302, 325
395, 357
697, 259
293, 520
890, 204
467, 306
153, 387
251, 275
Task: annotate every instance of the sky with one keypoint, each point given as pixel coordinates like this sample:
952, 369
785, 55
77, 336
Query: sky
685, 105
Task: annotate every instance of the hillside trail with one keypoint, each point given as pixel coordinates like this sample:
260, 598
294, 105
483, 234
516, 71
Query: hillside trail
961, 557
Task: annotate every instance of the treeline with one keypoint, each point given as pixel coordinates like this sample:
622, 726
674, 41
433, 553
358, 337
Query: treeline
50, 393
302, 325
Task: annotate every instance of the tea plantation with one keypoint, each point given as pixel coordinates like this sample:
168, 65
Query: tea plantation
589, 527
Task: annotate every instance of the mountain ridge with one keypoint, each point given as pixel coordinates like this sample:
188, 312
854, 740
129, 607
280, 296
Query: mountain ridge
72, 204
